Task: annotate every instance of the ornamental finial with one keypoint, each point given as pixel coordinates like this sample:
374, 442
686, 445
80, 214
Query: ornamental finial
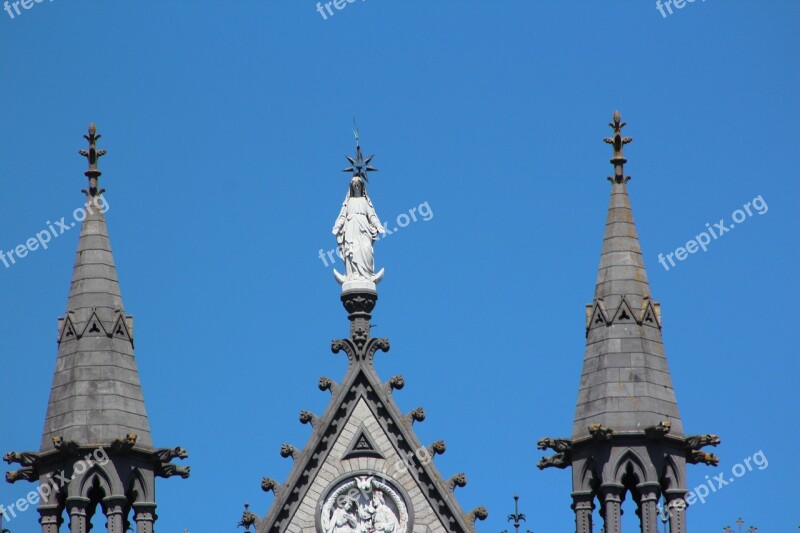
92, 155
358, 165
618, 141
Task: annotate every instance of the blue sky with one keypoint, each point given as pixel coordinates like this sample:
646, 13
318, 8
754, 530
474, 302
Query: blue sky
226, 125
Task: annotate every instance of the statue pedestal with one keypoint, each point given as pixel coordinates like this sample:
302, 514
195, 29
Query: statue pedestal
359, 298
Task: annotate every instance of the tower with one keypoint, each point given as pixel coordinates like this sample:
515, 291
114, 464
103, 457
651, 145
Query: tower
363, 468
627, 436
96, 447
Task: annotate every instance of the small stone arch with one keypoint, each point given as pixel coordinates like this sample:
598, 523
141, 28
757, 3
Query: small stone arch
95, 477
630, 463
672, 476
139, 489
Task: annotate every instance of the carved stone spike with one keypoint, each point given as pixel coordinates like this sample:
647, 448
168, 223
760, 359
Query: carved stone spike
479, 513
559, 460
307, 417
695, 442
416, 415
23, 458
695, 457
600, 432
23, 474
287, 450
437, 448
557, 445
395, 383
66, 447
124, 444
167, 470
658, 432
326, 383
458, 480
270, 485
165, 455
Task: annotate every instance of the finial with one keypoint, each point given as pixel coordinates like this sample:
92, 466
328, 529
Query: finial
618, 141
92, 155
358, 165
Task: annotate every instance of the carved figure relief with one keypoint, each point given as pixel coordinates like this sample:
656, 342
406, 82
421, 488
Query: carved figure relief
364, 504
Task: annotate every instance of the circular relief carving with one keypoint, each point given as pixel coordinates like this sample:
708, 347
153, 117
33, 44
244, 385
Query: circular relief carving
364, 504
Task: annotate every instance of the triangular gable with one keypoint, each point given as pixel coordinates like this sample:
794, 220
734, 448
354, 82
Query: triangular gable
94, 327
596, 315
120, 329
624, 313
67, 330
650, 315
323, 471
362, 446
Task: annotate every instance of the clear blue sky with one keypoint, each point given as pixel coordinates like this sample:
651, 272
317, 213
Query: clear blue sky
226, 124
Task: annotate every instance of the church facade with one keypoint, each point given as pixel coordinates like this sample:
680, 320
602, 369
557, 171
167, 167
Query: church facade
363, 469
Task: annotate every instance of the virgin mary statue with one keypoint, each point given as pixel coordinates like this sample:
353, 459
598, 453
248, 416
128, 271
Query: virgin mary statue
356, 229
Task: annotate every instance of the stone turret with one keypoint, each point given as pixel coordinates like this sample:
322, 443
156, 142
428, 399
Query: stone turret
96, 447
627, 436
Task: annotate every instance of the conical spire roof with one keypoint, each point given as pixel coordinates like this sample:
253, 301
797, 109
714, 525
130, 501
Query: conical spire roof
96, 396
625, 383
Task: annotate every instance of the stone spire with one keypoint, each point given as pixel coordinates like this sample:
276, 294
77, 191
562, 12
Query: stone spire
627, 435
625, 384
363, 465
96, 435
96, 396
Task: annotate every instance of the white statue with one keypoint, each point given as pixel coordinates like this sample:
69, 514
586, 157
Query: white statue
357, 227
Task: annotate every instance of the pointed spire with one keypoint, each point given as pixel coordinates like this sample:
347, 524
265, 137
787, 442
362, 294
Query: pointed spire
96, 395
626, 385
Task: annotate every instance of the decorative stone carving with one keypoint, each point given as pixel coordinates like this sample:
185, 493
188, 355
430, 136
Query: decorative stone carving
559, 460
364, 504
695, 442
395, 383
307, 417
437, 448
165, 455
416, 415
166, 470
66, 447
558, 445
270, 485
695, 457
658, 432
23, 458
600, 432
458, 480
326, 383
287, 450
124, 444
479, 513
23, 474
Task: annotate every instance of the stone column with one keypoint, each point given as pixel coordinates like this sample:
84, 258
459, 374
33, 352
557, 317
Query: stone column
145, 516
115, 513
583, 505
676, 506
611, 496
76, 508
50, 518
648, 506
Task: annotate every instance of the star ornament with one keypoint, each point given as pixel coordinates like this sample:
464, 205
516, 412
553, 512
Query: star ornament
359, 166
